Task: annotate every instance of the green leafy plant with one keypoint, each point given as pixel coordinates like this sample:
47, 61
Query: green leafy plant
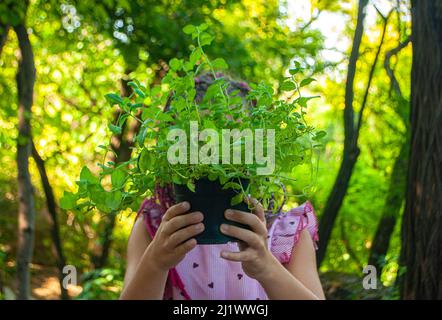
101, 284
133, 180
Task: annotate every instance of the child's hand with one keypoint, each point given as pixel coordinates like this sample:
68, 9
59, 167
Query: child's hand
173, 239
254, 255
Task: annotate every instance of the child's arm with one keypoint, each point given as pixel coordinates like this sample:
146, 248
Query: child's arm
148, 261
142, 280
297, 280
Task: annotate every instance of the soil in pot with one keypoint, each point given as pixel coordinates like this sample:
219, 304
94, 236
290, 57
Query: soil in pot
210, 199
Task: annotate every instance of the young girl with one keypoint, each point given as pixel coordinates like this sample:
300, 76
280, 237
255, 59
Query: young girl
275, 259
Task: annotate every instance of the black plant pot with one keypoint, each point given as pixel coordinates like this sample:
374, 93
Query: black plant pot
212, 201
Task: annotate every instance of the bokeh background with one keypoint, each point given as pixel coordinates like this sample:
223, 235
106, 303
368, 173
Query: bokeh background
85, 49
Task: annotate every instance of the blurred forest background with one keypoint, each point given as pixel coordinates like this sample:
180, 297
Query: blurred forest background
359, 51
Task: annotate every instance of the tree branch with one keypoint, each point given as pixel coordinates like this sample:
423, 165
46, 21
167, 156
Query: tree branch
52, 209
347, 245
390, 73
371, 74
312, 19
349, 128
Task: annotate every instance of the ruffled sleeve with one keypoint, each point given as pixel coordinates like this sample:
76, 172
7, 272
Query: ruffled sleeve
286, 230
153, 208
152, 213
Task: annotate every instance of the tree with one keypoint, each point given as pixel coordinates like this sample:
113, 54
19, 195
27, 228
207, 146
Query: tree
421, 253
352, 128
396, 190
57, 247
26, 212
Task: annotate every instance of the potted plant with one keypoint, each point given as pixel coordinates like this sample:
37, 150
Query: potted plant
213, 150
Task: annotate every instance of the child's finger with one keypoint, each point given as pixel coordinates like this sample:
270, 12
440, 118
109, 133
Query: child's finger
184, 234
176, 210
257, 208
250, 237
240, 256
186, 247
182, 221
248, 219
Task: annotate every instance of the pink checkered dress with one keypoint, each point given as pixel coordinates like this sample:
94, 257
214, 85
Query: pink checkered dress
204, 275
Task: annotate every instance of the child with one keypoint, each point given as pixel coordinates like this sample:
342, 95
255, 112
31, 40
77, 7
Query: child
275, 259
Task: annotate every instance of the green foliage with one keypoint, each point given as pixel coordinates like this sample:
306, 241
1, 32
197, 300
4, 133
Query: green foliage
12, 12
133, 180
101, 284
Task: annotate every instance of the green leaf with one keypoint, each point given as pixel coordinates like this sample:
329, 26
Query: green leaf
97, 194
206, 39
141, 136
306, 82
87, 176
288, 86
195, 56
220, 64
213, 90
118, 178
188, 66
294, 71
232, 185
175, 64
212, 176
115, 129
203, 26
176, 179
113, 199
165, 117
150, 113
320, 134
146, 160
113, 98
189, 29
302, 101
68, 201
140, 93
122, 119
132, 84
191, 186
236, 199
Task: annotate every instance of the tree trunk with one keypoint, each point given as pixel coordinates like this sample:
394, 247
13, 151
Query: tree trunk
57, 248
396, 192
26, 212
422, 223
351, 150
391, 210
100, 260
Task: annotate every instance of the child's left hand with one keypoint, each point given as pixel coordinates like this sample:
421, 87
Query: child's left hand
257, 261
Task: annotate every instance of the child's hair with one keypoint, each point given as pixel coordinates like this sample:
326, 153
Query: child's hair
204, 81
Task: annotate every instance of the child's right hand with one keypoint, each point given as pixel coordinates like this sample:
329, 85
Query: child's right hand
173, 239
